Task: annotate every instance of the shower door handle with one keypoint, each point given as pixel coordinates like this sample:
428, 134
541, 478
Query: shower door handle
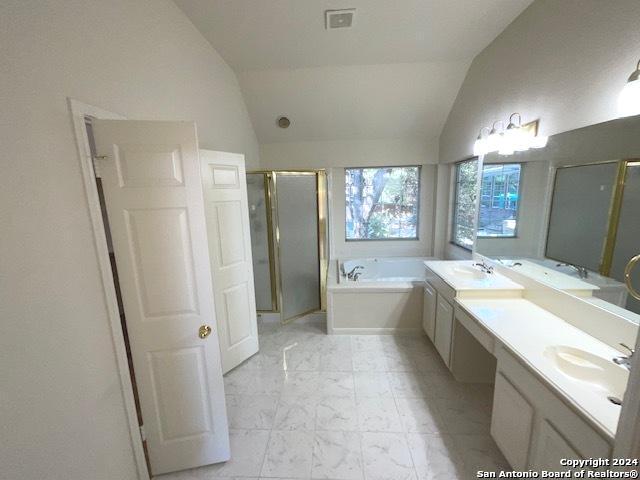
627, 277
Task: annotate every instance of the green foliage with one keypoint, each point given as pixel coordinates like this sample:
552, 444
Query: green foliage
382, 202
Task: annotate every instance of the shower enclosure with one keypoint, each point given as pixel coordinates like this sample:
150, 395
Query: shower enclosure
287, 212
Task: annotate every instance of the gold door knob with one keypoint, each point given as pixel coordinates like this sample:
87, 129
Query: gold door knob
204, 331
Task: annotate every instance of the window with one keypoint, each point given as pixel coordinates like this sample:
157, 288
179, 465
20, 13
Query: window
382, 203
464, 205
499, 200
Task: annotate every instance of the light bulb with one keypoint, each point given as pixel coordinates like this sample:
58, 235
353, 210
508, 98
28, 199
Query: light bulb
506, 146
480, 147
522, 140
494, 140
629, 99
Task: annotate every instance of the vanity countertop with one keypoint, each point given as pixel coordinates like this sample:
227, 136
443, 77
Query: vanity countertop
554, 278
463, 276
533, 333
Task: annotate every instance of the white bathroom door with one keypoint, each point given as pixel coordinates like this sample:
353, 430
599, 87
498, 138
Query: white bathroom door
227, 212
153, 192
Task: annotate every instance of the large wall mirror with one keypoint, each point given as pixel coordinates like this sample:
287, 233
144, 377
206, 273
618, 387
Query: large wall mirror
568, 215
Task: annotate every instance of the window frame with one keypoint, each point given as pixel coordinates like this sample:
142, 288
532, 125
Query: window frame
506, 186
418, 205
454, 212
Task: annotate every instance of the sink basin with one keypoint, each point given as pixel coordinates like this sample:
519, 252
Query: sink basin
468, 272
592, 370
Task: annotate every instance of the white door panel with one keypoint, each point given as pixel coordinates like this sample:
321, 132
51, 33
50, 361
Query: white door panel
227, 216
153, 193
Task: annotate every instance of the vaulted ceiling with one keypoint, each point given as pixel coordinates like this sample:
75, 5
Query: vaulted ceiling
394, 74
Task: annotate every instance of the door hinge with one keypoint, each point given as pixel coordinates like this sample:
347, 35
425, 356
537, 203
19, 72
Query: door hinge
143, 434
96, 164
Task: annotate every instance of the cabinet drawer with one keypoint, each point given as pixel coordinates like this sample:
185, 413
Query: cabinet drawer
442, 287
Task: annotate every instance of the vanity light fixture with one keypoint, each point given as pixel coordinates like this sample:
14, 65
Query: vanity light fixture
480, 145
515, 138
494, 140
629, 98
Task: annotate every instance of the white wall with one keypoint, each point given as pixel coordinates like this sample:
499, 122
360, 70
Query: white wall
334, 156
562, 61
62, 409
348, 153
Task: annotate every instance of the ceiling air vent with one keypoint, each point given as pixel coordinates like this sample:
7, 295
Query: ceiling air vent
339, 18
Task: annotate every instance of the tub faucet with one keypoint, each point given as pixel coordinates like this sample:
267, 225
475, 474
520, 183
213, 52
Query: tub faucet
625, 361
356, 276
353, 271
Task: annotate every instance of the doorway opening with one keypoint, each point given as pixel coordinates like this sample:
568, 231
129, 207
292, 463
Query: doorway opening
116, 284
288, 221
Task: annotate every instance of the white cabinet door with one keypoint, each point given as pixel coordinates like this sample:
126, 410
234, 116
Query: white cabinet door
153, 193
227, 215
444, 328
511, 422
429, 311
550, 447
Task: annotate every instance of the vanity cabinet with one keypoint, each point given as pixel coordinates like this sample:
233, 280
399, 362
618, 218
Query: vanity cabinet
533, 426
511, 422
429, 311
550, 448
444, 328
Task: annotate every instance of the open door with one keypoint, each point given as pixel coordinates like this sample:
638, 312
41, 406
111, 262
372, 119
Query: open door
153, 194
227, 213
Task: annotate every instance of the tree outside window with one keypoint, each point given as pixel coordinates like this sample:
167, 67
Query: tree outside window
464, 208
382, 203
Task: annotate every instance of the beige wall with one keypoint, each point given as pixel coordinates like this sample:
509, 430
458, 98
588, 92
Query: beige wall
562, 61
62, 409
334, 156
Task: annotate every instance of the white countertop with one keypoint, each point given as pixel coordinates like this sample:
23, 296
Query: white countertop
528, 330
445, 269
554, 278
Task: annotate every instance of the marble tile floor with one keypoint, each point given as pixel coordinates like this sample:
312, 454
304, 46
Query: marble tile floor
351, 407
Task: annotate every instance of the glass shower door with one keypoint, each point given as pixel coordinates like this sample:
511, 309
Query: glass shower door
261, 246
298, 246
627, 238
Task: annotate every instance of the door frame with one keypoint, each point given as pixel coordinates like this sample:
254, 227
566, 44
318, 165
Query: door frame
79, 111
271, 189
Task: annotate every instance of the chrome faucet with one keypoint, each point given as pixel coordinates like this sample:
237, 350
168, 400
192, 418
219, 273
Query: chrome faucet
484, 267
353, 271
625, 361
582, 271
356, 276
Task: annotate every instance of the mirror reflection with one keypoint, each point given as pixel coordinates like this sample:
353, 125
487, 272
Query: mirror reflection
568, 215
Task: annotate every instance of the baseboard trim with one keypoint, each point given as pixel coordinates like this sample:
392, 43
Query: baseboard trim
374, 331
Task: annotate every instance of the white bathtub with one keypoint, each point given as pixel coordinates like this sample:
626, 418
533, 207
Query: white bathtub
386, 269
386, 298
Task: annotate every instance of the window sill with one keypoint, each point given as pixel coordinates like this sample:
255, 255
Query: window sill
451, 242
350, 240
